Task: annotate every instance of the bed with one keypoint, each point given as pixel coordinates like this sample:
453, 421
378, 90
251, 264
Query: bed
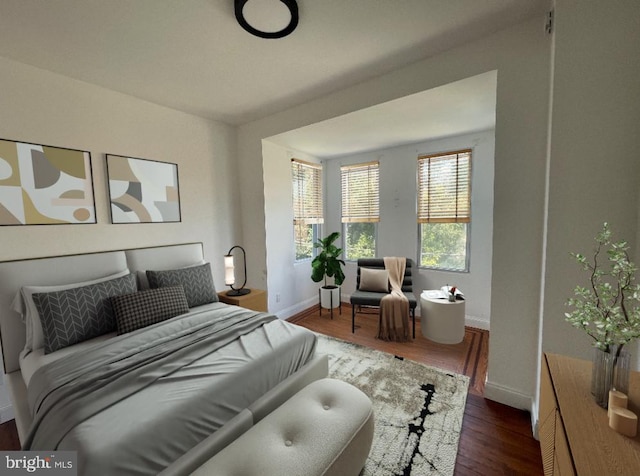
180, 378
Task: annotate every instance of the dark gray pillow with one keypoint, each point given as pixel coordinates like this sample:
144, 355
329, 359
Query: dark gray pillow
78, 314
141, 309
196, 281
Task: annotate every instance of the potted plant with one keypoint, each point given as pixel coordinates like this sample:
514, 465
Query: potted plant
608, 311
327, 264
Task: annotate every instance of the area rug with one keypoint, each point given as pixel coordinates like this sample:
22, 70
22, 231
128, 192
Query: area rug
418, 409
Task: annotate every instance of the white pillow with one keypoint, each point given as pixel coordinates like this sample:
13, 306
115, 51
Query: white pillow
374, 280
24, 305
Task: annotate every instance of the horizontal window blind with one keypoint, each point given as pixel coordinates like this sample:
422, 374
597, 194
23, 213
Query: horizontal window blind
307, 192
361, 193
444, 188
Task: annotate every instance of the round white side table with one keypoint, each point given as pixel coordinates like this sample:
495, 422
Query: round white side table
442, 321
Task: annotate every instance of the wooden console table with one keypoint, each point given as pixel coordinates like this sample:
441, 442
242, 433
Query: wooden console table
575, 437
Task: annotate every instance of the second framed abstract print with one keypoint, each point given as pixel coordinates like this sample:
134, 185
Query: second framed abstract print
142, 191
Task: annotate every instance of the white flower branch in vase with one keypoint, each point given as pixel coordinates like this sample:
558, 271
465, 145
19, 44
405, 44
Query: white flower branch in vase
608, 311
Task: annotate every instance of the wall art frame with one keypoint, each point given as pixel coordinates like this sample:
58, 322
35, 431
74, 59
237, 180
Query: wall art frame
45, 185
142, 190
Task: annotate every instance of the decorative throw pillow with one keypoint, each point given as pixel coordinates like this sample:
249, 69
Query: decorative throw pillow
196, 281
23, 304
78, 314
143, 282
141, 309
374, 280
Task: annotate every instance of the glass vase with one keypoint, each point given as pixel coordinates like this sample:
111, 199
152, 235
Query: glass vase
610, 371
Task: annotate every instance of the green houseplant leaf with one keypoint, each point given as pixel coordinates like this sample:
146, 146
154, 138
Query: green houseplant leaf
327, 264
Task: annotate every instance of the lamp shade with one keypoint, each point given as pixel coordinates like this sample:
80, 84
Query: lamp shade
229, 271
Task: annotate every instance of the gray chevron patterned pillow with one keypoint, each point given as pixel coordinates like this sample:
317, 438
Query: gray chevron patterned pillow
141, 309
196, 281
78, 314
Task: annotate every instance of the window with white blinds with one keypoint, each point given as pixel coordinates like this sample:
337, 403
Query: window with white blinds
444, 188
307, 193
306, 181
361, 193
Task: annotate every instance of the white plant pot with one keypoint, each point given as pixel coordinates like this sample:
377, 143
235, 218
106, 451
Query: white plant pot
330, 297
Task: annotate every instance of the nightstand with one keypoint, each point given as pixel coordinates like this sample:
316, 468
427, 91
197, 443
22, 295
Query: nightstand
255, 300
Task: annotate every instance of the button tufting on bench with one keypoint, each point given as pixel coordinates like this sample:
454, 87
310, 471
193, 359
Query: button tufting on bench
329, 443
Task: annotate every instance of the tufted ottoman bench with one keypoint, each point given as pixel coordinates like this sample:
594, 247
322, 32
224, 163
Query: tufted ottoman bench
325, 429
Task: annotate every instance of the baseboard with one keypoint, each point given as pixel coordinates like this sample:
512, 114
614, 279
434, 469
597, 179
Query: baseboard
534, 427
507, 396
296, 308
301, 306
477, 322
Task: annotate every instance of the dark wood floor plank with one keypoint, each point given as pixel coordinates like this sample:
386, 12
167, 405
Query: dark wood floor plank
9, 436
498, 416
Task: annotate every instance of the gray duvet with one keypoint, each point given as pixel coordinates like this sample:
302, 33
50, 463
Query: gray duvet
135, 403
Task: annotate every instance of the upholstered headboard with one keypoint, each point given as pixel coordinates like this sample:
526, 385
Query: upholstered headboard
58, 270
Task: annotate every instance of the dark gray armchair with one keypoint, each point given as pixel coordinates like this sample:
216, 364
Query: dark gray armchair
368, 298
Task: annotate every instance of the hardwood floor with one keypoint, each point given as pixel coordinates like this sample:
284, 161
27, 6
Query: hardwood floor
9, 436
495, 439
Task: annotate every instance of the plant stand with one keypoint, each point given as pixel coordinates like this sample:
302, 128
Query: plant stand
330, 295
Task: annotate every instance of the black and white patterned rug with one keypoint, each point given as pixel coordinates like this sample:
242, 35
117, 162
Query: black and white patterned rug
418, 409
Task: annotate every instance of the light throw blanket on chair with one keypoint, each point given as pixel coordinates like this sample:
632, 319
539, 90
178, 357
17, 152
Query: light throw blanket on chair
394, 307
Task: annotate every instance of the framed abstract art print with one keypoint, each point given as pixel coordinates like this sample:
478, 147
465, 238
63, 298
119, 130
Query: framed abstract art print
45, 185
142, 191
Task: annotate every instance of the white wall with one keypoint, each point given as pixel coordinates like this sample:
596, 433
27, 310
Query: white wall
45, 108
398, 229
521, 57
594, 159
289, 282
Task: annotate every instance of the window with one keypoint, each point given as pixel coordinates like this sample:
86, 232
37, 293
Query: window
360, 209
444, 210
307, 206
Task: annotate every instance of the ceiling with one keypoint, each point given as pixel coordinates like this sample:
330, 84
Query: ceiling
462, 107
191, 55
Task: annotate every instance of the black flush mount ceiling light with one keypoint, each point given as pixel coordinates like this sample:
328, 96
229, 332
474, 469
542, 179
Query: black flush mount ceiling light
267, 18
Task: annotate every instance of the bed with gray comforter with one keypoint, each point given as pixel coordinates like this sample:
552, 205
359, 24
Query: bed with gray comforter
133, 404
